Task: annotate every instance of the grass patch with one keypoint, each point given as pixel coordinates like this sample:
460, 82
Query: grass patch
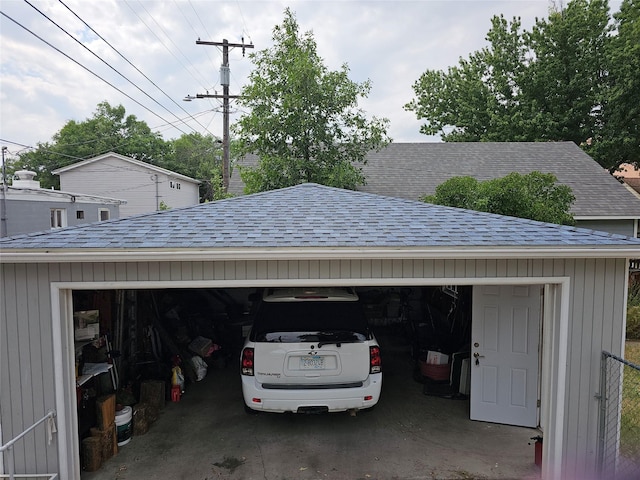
630, 416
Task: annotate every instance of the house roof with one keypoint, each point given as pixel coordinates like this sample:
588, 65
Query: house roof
139, 163
311, 217
412, 170
24, 193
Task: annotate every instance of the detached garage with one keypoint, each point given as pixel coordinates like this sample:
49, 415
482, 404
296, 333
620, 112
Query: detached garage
546, 299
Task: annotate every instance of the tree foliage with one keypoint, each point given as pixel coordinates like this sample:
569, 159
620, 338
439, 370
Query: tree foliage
619, 138
568, 79
198, 156
535, 196
304, 121
108, 130
111, 130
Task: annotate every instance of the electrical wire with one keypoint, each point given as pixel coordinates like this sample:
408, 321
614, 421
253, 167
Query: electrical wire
96, 154
193, 28
164, 45
88, 70
100, 58
244, 24
137, 69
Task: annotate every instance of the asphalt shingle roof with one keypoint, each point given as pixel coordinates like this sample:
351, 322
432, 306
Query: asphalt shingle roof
311, 215
412, 170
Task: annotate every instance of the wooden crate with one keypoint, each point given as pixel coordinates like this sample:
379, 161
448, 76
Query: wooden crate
91, 454
105, 411
108, 441
141, 419
152, 392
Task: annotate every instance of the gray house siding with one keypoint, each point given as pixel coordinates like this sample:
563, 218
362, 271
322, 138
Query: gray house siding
596, 296
24, 216
626, 227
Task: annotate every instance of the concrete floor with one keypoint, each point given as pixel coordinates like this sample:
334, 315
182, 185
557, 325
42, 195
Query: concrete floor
409, 435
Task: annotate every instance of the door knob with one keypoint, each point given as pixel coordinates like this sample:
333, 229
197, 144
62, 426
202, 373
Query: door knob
477, 356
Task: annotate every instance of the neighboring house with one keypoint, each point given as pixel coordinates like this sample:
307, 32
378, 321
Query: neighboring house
28, 208
145, 187
547, 300
630, 175
412, 170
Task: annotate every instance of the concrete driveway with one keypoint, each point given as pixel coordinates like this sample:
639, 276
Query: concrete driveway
207, 435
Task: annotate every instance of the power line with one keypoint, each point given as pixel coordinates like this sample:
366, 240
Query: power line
87, 69
163, 44
138, 70
98, 57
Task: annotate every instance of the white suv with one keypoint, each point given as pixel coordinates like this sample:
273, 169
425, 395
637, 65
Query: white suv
310, 350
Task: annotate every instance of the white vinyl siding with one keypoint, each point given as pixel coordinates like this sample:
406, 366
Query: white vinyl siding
143, 188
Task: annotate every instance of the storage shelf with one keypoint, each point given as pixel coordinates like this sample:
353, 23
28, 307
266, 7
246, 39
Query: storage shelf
94, 370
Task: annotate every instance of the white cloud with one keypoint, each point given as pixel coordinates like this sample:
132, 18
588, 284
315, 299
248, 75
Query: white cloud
389, 42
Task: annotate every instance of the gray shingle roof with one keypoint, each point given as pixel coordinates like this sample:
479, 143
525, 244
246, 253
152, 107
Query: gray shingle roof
311, 215
412, 170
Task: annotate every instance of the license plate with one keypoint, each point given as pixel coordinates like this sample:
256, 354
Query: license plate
313, 362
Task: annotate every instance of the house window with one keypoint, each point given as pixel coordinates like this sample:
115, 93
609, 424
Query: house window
175, 185
103, 214
58, 218
80, 215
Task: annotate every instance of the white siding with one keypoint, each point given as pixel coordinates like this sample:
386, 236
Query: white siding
596, 310
142, 188
181, 194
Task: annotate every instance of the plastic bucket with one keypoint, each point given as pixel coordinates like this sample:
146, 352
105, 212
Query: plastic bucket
123, 425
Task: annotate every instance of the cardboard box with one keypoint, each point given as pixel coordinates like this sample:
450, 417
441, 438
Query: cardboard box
201, 346
86, 325
437, 358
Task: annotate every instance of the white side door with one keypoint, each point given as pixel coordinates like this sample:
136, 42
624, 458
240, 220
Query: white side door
505, 338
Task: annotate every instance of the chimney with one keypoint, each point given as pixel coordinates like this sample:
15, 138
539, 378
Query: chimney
25, 179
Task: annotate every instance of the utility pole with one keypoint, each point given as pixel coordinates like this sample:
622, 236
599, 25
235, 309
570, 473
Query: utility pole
224, 81
3, 200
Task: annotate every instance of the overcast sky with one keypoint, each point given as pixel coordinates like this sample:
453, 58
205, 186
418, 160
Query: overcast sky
388, 42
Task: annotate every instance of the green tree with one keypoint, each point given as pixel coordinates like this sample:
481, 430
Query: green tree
198, 156
535, 196
109, 130
619, 139
549, 84
304, 121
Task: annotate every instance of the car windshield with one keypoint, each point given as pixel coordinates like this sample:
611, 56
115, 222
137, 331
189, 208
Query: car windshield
311, 322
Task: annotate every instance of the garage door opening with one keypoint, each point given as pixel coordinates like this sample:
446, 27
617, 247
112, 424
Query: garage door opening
425, 333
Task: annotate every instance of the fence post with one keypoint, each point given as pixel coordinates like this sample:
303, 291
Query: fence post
603, 411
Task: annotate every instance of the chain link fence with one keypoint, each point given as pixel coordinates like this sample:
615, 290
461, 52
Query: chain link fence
619, 454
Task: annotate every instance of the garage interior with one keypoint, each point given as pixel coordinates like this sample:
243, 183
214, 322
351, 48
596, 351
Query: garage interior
153, 352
